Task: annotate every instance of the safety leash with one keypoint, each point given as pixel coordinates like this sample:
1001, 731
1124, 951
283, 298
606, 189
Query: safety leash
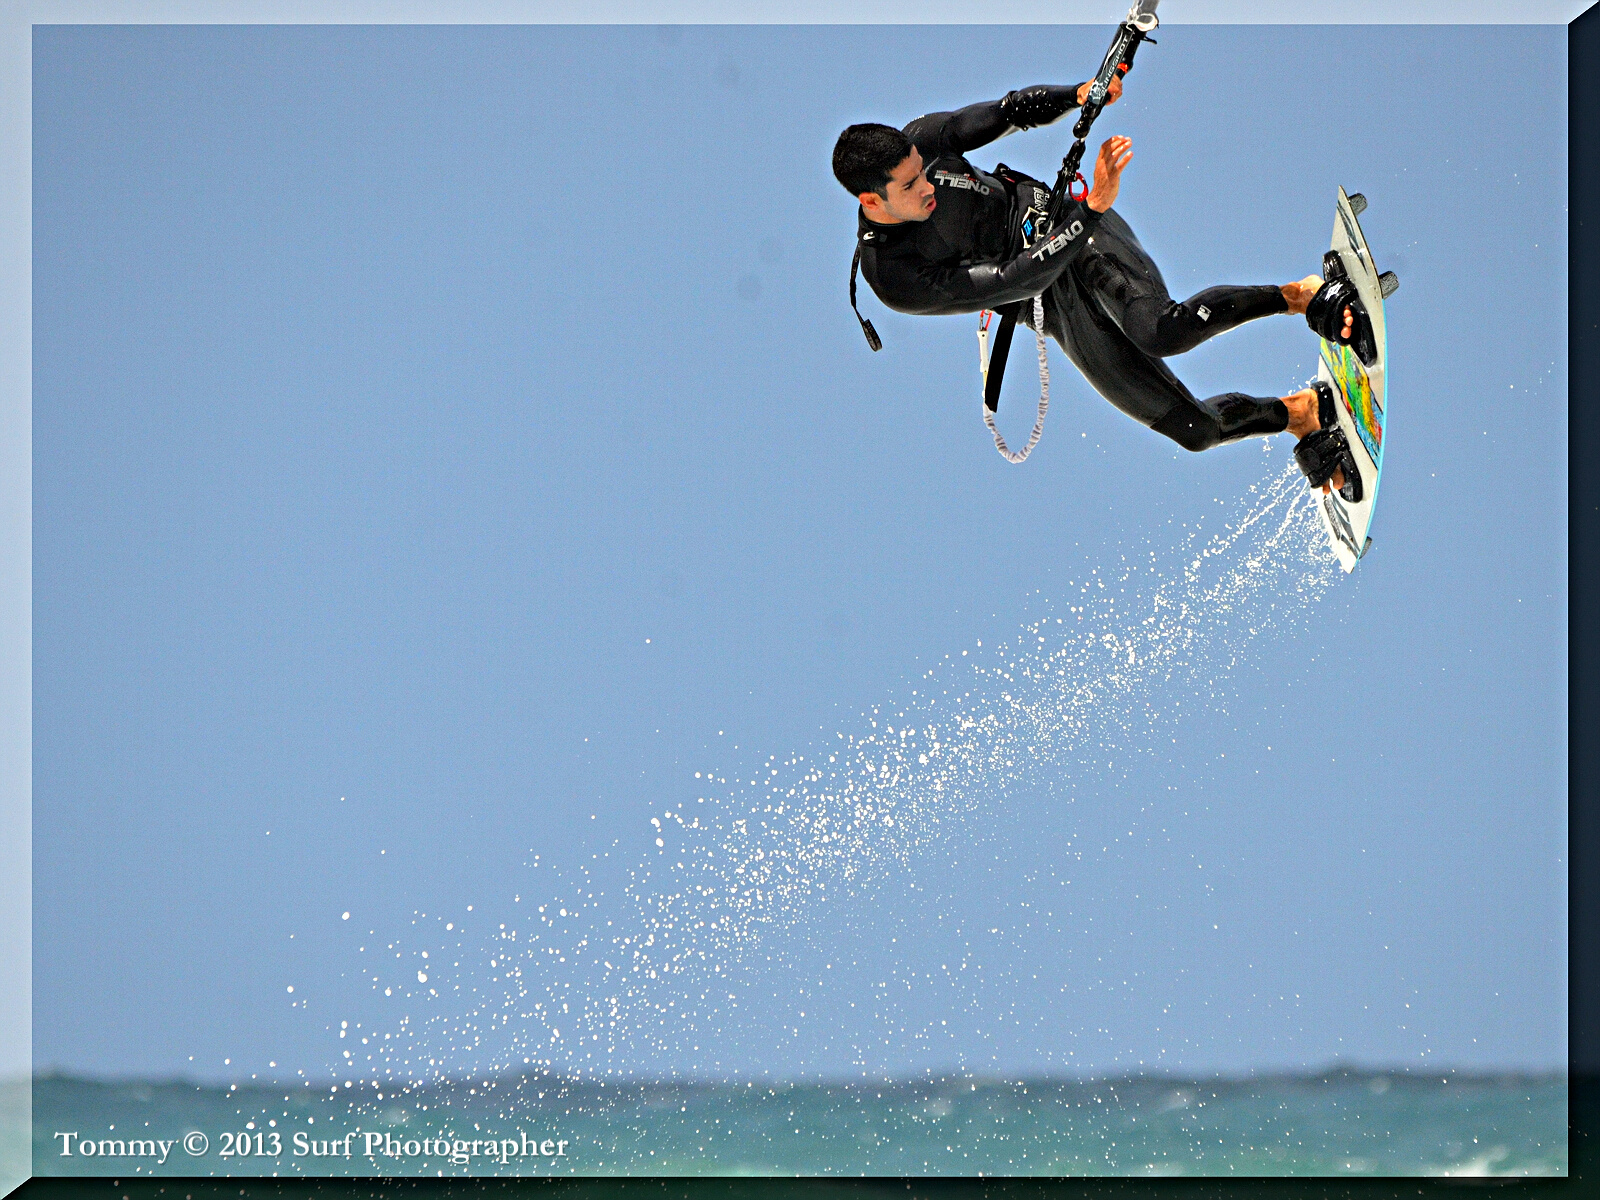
991, 393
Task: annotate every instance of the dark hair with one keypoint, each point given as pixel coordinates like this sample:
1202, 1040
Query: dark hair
864, 156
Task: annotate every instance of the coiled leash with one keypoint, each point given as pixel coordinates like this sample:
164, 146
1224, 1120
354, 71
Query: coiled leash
994, 372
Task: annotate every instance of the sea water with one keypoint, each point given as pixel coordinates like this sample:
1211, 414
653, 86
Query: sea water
1334, 1123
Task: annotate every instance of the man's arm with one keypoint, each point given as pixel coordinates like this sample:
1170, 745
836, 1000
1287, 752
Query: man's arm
979, 124
923, 289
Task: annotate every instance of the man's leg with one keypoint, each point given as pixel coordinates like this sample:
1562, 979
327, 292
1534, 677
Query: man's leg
1303, 420
1128, 286
1143, 386
1202, 424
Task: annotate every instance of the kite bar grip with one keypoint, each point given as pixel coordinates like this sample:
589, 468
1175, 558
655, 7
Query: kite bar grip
1118, 61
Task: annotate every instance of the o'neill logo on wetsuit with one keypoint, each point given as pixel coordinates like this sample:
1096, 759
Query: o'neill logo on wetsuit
961, 181
1061, 239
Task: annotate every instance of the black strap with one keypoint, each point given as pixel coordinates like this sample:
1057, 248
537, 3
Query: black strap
998, 353
866, 326
1008, 313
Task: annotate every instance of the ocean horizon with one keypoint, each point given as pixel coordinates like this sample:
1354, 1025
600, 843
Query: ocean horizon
1335, 1122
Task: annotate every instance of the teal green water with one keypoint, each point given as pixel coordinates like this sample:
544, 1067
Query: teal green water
1337, 1124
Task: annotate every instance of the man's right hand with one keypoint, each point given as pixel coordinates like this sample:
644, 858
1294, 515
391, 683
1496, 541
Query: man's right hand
1113, 91
1115, 154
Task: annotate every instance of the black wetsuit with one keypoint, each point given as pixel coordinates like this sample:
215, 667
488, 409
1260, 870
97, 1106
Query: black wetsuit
1104, 299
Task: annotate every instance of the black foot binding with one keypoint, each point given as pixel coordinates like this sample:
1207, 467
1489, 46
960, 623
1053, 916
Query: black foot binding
1322, 451
1325, 314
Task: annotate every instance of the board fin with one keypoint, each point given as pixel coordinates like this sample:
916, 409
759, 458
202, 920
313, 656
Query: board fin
1358, 203
1388, 284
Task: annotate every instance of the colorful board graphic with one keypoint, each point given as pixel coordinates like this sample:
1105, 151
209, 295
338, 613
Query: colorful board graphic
1362, 390
1355, 386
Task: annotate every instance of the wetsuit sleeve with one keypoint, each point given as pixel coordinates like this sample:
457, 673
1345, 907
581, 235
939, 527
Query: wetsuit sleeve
959, 132
924, 289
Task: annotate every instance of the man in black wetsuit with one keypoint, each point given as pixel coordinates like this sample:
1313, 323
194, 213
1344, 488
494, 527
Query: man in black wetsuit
938, 236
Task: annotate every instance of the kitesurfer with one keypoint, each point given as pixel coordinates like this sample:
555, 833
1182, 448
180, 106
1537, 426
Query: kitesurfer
935, 236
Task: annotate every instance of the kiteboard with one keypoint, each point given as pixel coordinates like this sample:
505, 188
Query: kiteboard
1360, 388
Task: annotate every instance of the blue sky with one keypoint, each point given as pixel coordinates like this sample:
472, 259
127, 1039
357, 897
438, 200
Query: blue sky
448, 440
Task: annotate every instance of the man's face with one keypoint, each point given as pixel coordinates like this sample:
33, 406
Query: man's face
910, 195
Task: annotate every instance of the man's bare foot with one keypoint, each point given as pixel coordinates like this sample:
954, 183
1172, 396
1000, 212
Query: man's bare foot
1298, 297
1303, 419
